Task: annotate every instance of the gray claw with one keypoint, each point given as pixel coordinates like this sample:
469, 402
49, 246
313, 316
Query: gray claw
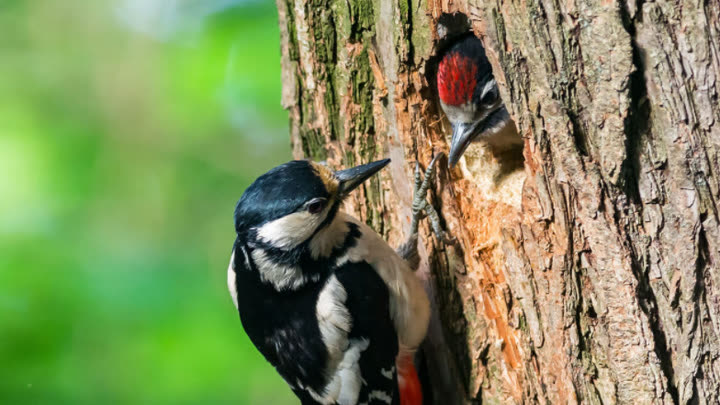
421, 208
437, 229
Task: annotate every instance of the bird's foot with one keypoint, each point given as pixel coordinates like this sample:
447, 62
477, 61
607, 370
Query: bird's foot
421, 208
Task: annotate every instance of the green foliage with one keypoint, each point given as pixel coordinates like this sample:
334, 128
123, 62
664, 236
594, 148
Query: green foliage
122, 155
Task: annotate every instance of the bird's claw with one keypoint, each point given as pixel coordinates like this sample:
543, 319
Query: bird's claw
421, 208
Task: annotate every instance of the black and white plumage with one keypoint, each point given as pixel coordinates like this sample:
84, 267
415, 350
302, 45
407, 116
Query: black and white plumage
321, 295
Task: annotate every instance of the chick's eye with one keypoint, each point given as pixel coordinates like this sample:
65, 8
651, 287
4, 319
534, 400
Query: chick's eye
315, 206
489, 97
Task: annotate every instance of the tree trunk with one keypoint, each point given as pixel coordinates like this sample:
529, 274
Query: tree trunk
590, 272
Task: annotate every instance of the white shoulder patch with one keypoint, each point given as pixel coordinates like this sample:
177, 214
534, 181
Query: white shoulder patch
334, 319
345, 380
231, 279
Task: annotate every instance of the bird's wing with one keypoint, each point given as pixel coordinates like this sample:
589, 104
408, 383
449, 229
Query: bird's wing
283, 328
373, 342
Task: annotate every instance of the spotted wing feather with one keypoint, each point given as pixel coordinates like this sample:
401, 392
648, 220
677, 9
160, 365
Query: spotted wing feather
369, 306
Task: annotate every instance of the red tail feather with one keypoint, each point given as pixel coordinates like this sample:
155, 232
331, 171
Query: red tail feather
408, 381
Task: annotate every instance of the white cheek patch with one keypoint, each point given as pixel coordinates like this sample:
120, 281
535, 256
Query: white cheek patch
291, 230
464, 113
287, 233
497, 127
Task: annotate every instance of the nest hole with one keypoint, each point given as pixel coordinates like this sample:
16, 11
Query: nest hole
496, 163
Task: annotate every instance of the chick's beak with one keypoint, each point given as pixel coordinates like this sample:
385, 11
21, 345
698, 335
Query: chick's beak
463, 134
353, 177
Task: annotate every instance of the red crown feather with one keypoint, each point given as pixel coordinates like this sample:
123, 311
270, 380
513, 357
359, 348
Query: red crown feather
456, 78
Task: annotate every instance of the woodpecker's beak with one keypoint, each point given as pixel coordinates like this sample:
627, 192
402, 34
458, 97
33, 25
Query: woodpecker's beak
353, 177
463, 134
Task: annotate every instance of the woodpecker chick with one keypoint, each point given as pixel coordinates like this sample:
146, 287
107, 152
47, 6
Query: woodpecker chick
469, 96
323, 297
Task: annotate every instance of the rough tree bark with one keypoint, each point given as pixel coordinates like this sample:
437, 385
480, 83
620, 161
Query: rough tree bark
591, 271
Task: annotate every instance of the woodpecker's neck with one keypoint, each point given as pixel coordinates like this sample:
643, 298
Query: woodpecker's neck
291, 268
329, 238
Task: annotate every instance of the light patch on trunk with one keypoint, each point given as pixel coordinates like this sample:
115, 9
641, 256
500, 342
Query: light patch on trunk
303, 37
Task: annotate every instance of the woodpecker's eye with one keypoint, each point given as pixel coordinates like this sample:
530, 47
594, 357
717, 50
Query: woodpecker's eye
316, 205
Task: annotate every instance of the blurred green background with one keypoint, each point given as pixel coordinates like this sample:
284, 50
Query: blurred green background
128, 130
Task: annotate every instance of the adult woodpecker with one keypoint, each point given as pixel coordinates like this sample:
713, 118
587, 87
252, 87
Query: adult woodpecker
322, 296
470, 98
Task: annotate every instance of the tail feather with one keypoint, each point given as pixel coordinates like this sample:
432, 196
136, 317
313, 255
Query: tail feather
408, 381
